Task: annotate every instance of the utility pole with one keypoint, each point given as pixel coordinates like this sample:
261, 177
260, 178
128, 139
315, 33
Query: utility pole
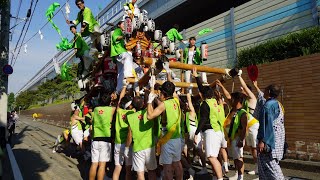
4, 57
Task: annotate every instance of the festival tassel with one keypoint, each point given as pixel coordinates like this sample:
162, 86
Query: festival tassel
56, 66
41, 35
67, 8
204, 31
50, 13
25, 48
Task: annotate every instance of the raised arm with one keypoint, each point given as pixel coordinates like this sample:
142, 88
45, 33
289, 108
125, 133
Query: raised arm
169, 76
224, 90
255, 84
192, 111
199, 82
153, 113
246, 89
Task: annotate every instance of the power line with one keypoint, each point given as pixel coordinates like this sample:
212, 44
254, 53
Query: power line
34, 35
17, 15
24, 25
34, 8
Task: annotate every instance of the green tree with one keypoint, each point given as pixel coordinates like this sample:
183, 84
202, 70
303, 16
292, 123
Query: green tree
70, 88
11, 102
26, 98
50, 89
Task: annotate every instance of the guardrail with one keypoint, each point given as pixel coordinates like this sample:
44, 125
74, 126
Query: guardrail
14, 165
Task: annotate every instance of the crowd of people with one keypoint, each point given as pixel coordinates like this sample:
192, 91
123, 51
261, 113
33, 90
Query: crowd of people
163, 129
156, 128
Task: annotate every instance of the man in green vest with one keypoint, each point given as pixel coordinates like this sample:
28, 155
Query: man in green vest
191, 124
82, 51
192, 55
141, 132
235, 128
89, 26
223, 150
101, 138
120, 55
174, 35
169, 143
210, 124
76, 128
121, 130
249, 104
253, 123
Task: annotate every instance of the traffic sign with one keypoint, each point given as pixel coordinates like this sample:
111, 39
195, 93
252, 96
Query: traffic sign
7, 69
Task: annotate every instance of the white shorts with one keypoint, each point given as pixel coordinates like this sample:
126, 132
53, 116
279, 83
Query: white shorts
77, 135
213, 142
86, 133
119, 157
100, 151
224, 142
170, 151
145, 158
236, 152
251, 139
199, 142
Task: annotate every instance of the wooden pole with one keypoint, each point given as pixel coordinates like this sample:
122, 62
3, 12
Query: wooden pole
178, 65
177, 84
181, 71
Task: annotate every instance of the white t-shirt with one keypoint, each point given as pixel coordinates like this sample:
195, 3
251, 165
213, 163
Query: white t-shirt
190, 59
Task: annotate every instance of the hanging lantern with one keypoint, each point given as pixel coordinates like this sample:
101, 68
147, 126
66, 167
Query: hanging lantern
151, 25
157, 35
128, 26
204, 51
138, 50
165, 42
136, 23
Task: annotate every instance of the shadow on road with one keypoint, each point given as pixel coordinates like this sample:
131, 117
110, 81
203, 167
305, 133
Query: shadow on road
33, 163
30, 162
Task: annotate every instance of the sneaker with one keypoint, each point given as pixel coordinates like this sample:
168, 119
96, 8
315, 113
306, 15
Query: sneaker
252, 172
53, 150
190, 178
203, 171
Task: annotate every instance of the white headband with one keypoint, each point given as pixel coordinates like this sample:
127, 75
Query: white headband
127, 104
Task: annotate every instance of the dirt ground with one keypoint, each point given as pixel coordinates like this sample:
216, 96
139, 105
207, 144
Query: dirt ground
58, 115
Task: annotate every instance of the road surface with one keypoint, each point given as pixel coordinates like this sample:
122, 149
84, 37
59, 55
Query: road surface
32, 146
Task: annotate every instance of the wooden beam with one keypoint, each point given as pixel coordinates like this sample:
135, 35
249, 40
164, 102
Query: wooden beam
177, 84
178, 65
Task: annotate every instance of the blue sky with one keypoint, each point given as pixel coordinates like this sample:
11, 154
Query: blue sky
39, 52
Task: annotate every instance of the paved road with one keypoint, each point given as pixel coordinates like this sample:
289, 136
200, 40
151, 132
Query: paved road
33, 150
